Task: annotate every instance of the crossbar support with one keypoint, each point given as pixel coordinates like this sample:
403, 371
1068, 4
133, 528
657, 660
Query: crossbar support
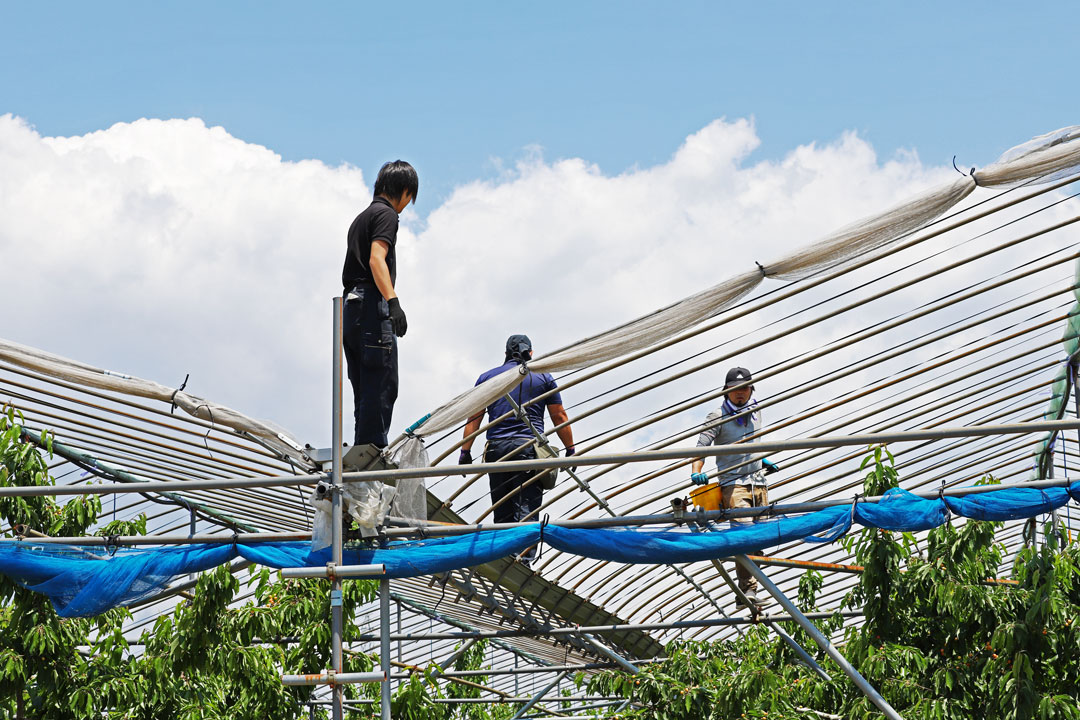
822, 641
539, 696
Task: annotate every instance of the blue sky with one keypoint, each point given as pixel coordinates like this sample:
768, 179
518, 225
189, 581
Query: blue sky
462, 89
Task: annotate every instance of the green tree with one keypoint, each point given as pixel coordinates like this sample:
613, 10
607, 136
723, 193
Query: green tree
210, 658
942, 638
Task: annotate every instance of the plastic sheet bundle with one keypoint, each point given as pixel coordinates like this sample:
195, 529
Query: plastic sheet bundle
83, 580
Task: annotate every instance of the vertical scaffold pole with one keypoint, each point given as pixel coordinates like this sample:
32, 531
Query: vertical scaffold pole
337, 624
384, 640
818, 637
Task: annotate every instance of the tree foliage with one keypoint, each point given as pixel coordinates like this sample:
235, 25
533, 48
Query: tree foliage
940, 639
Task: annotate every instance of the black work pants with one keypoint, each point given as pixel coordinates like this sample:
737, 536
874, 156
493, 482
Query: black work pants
371, 354
522, 501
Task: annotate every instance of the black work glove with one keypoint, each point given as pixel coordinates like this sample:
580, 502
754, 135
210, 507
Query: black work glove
770, 467
569, 452
397, 317
465, 458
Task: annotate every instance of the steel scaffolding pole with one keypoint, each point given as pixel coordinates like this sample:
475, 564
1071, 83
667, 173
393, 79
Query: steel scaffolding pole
783, 635
384, 644
337, 620
819, 638
539, 696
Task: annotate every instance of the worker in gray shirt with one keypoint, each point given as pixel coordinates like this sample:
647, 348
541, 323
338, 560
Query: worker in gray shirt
741, 476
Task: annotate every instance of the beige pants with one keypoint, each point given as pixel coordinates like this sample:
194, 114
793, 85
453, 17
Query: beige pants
744, 496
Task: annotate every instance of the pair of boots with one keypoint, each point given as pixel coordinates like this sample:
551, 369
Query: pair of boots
756, 604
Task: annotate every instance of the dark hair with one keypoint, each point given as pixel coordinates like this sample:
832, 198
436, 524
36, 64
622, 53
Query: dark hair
395, 178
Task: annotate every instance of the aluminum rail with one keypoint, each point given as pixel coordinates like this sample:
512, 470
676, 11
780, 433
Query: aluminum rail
832, 441
700, 517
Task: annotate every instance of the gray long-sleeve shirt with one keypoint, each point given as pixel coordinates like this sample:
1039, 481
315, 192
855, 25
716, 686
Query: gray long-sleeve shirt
733, 469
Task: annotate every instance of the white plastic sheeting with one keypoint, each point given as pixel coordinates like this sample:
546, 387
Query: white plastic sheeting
89, 376
1041, 159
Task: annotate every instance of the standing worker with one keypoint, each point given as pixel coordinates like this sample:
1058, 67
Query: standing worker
510, 434
742, 476
373, 318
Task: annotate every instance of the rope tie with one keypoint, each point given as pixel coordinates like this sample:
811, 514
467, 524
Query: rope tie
854, 505
761, 268
180, 389
112, 544
970, 173
941, 499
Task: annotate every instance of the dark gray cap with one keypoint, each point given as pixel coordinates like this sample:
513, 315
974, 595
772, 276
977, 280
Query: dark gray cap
737, 376
518, 346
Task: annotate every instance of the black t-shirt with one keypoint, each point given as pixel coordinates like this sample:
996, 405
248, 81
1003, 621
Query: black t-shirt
378, 222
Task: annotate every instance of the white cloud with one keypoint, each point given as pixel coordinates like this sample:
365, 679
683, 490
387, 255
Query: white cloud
159, 248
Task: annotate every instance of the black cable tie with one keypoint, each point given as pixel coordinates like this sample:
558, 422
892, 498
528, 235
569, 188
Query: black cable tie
540, 543
235, 537
180, 389
761, 268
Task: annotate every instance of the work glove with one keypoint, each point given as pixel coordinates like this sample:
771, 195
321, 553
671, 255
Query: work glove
770, 467
397, 317
465, 457
699, 478
569, 452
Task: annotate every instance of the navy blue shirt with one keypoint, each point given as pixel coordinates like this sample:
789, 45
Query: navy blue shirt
534, 385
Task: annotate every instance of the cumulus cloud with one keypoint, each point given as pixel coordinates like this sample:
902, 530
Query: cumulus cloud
160, 248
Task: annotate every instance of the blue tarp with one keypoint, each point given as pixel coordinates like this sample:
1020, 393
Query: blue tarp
87, 580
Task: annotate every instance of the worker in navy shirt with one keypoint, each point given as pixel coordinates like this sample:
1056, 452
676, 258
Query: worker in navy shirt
373, 318
510, 434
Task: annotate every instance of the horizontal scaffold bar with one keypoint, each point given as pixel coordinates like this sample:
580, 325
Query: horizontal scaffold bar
443, 530
331, 678
332, 571
601, 629
834, 441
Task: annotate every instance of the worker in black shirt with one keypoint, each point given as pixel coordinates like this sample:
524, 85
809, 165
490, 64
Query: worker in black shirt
373, 314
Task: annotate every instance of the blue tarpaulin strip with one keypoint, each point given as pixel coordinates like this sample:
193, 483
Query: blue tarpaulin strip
87, 580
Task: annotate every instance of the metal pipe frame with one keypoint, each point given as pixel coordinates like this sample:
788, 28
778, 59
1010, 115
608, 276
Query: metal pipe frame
833, 441
749, 307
